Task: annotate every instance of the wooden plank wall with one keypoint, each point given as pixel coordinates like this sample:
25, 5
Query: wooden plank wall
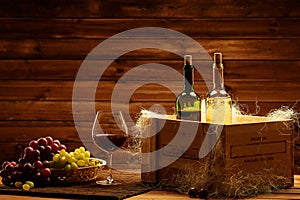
43, 44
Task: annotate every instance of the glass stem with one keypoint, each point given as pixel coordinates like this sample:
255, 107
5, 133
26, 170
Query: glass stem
110, 164
110, 178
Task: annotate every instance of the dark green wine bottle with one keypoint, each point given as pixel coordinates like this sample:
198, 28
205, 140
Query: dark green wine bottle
188, 102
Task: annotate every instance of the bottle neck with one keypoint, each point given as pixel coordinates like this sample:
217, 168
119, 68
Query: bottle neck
188, 78
218, 78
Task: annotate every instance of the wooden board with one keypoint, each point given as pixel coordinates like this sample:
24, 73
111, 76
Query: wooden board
292, 193
239, 49
43, 44
67, 69
150, 8
199, 28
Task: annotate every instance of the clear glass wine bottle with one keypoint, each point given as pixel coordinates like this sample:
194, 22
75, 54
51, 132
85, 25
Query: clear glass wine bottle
218, 101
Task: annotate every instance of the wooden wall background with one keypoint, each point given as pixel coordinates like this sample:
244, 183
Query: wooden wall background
43, 43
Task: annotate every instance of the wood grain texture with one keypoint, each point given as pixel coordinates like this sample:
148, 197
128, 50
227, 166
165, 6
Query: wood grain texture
286, 91
197, 28
234, 49
43, 45
151, 8
280, 70
169, 195
62, 110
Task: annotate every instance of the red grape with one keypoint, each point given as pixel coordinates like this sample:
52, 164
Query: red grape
56, 142
38, 164
48, 149
21, 160
37, 176
28, 167
42, 141
55, 147
41, 149
13, 163
3, 173
46, 172
49, 140
35, 159
36, 153
34, 144
27, 157
9, 168
203, 194
46, 164
19, 167
51, 155
193, 193
28, 150
4, 164
62, 146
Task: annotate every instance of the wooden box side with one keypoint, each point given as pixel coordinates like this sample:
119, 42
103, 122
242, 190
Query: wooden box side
172, 142
264, 147
175, 158
251, 148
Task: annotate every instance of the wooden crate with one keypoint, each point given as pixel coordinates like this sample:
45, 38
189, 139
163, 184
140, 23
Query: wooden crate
252, 145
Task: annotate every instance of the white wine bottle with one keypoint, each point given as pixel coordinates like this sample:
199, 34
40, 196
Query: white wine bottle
188, 102
218, 101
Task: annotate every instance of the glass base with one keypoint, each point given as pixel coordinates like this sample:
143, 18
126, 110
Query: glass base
105, 182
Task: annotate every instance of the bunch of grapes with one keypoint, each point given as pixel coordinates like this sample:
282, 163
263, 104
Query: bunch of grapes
33, 167
72, 160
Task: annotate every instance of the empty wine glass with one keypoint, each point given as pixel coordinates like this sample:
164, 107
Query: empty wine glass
110, 142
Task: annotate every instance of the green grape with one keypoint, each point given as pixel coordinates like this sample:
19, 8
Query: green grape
87, 154
81, 149
74, 159
80, 156
59, 165
26, 187
56, 158
62, 152
63, 160
80, 163
74, 166
68, 167
18, 184
86, 160
77, 151
92, 163
76, 154
30, 183
69, 158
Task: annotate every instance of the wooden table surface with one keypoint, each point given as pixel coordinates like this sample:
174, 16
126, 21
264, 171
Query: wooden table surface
291, 193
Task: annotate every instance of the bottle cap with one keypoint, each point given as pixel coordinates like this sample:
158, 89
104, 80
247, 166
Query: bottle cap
188, 60
218, 57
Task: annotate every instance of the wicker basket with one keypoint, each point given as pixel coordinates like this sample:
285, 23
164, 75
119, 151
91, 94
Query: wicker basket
83, 174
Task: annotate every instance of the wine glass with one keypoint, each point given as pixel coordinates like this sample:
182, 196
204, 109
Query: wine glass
110, 142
